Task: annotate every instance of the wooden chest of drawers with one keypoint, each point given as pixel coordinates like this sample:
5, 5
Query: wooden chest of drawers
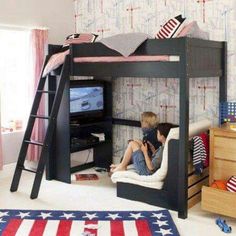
222, 167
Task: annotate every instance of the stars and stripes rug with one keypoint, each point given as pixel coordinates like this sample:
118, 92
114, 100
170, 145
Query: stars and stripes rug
86, 223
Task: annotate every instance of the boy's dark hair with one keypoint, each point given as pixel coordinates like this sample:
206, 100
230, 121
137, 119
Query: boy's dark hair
164, 128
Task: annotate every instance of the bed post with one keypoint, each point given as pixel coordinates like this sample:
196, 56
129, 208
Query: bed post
223, 77
183, 133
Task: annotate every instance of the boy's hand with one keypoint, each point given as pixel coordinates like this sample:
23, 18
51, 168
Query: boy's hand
138, 141
144, 148
152, 148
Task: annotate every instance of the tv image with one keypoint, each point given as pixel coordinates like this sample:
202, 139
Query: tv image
86, 99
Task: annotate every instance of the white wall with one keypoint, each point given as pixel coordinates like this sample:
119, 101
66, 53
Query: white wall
11, 143
57, 15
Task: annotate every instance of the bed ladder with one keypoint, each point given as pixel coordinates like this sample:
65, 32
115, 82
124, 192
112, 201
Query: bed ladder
49, 131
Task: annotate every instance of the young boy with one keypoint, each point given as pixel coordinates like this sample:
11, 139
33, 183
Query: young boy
149, 122
143, 163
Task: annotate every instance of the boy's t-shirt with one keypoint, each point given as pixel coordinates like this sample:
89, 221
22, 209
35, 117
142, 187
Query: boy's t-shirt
140, 165
157, 158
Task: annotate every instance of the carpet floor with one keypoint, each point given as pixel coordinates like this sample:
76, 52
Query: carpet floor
99, 195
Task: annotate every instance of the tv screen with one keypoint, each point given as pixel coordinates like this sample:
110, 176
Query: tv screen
86, 99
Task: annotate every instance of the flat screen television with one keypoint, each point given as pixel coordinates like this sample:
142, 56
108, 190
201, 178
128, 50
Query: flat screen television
86, 99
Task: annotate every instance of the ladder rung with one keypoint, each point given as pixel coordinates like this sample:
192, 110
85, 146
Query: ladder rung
45, 91
32, 171
40, 117
33, 142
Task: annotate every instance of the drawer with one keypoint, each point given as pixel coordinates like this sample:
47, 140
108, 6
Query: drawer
194, 200
225, 148
218, 201
222, 169
196, 188
192, 179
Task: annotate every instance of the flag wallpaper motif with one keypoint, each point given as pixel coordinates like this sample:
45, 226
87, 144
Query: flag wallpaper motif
135, 95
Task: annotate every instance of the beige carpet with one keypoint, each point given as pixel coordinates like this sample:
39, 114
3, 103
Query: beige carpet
96, 195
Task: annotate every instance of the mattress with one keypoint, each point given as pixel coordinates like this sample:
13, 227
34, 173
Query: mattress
141, 58
58, 59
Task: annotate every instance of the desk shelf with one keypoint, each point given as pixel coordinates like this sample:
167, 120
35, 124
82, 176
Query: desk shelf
88, 146
69, 127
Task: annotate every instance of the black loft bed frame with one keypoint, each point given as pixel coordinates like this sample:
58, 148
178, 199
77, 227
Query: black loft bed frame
198, 58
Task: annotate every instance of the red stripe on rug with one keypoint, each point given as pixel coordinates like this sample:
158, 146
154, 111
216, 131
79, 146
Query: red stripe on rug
90, 229
117, 228
12, 227
38, 228
143, 228
64, 228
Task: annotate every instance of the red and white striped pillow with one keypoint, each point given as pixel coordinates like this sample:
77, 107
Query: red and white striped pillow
80, 38
231, 184
171, 28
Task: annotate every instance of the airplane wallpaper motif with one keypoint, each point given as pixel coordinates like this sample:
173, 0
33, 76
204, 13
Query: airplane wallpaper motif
131, 96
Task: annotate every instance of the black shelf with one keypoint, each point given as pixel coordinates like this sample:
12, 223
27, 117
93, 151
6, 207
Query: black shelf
88, 146
84, 123
59, 164
133, 123
95, 127
82, 167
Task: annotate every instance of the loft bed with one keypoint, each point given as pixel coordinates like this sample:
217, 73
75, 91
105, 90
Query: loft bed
195, 58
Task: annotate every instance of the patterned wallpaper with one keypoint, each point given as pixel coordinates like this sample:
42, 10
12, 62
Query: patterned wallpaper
135, 95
